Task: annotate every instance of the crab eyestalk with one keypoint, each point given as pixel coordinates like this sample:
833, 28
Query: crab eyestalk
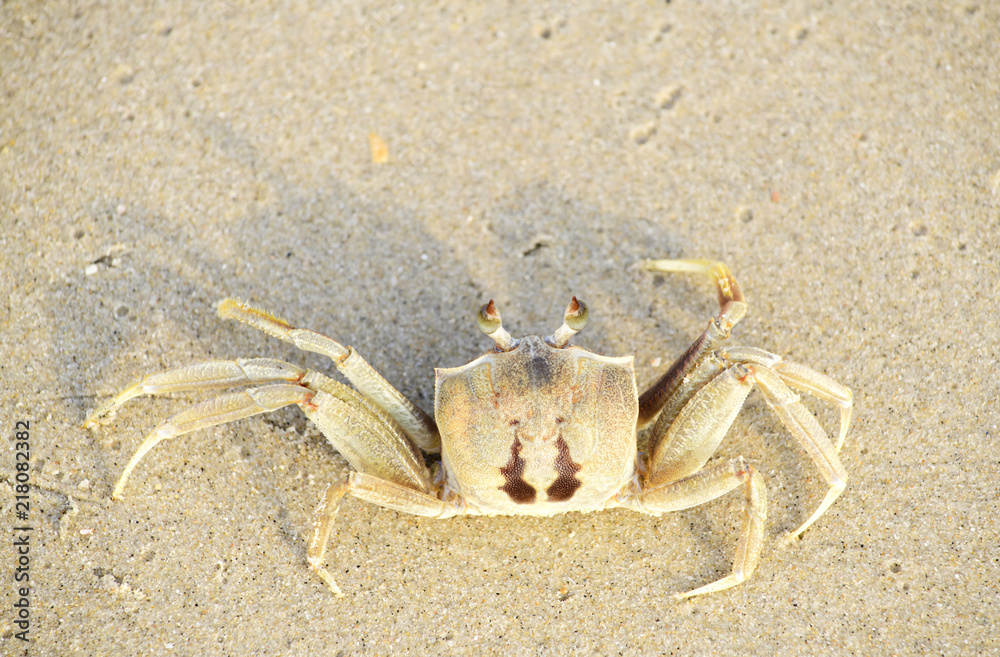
489, 322
573, 322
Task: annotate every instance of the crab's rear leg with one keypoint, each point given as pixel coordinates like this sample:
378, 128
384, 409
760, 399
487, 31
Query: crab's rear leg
676, 479
701, 364
684, 443
706, 485
221, 410
374, 490
804, 427
794, 375
417, 424
391, 471
823, 387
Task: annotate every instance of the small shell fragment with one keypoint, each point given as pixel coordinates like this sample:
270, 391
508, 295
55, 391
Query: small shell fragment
380, 151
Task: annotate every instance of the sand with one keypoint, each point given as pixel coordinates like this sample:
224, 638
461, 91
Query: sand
842, 160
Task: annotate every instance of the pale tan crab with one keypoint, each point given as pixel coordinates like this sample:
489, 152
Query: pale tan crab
533, 426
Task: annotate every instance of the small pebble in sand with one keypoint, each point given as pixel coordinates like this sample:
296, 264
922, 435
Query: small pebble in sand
668, 96
640, 134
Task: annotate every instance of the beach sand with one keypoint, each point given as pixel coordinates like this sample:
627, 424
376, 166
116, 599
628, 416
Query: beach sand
843, 160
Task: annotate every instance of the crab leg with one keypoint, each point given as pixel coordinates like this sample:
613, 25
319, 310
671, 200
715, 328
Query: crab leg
326, 513
732, 308
209, 375
801, 378
365, 434
804, 427
797, 376
823, 387
221, 410
691, 439
417, 424
709, 484
361, 431
372, 489
709, 367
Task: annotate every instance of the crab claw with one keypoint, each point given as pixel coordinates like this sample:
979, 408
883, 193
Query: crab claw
573, 322
489, 323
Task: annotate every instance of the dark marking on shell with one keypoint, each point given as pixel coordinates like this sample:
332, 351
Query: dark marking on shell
539, 372
566, 483
519, 491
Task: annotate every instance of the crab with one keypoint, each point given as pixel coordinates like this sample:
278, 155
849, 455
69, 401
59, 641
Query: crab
534, 426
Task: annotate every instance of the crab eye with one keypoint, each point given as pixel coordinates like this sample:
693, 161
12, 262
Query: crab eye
576, 315
489, 321
574, 319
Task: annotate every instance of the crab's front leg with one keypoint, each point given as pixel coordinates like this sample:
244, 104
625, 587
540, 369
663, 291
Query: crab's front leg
681, 375
696, 366
417, 424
